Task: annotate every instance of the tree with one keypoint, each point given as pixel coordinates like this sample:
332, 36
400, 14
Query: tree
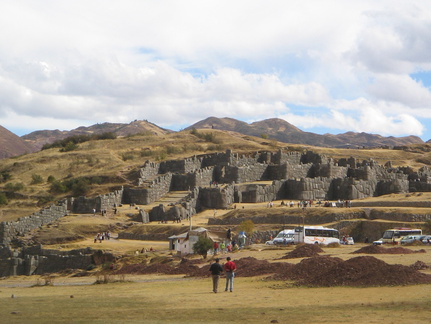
247, 226
202, 246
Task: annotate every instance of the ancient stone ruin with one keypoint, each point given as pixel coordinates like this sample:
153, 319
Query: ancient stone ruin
221, 179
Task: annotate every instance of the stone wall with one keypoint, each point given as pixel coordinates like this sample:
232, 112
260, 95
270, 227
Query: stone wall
188, 181
38, 261
286, 157
252, 172
329, 170
181, 166
218, 198
256, 193
298, 171
308, 189
149, 171
84, 205
10, 230
155, 190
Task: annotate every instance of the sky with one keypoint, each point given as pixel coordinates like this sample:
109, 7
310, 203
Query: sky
324, 66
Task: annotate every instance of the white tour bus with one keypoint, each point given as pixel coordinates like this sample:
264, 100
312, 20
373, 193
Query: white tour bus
316, 235
284, 237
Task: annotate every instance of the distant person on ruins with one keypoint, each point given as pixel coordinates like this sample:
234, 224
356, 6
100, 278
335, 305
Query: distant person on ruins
216, 247
222, 247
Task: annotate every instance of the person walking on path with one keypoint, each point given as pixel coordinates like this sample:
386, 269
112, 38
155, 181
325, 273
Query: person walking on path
216, 269
229, 268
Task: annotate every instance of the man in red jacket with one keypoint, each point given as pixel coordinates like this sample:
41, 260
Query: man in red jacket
229, 268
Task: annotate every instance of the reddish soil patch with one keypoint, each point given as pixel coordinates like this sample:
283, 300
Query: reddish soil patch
304, 251
376, 249
307, 268
366, 271
419, 265
318, 271
250, 267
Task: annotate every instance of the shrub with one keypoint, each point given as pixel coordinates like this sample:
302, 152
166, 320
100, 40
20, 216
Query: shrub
127, 156
14, 186
75, 139
50, 179
36, 179
45, 200
69, 147
58, 187
173, 149
202, 246
146, 153
3, 199
5, 176
80, 187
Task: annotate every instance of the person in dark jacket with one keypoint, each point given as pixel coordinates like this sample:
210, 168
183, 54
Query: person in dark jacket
216, 270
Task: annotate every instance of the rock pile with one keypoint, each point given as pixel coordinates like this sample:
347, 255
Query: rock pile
366, 271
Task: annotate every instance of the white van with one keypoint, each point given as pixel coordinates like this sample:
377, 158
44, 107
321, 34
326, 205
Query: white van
284, 237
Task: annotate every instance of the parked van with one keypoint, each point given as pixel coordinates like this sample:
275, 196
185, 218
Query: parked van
284, 237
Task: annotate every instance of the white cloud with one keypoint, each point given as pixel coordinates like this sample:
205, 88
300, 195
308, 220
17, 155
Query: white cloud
174, 63
401, 89
361, 116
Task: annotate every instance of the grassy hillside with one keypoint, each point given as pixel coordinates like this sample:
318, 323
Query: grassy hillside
99, 166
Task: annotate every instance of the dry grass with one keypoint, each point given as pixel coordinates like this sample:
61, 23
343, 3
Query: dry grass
172, 299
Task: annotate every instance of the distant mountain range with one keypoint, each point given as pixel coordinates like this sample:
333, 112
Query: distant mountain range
283, 131
274, 128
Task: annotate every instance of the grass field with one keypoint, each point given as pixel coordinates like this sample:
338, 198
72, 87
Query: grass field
172, 300
175, 299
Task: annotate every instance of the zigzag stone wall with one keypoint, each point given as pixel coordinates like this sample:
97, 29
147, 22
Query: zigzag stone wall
10, 230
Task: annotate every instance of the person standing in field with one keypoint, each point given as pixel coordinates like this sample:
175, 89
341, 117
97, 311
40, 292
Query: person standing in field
229, 268
216, 270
